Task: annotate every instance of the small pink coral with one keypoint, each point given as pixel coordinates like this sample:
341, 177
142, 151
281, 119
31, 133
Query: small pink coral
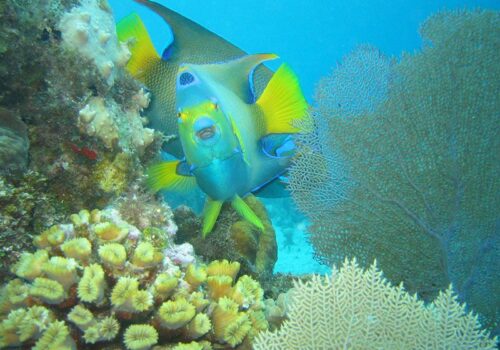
182, 254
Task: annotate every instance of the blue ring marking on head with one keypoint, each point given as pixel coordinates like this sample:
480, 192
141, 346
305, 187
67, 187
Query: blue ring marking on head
186, 78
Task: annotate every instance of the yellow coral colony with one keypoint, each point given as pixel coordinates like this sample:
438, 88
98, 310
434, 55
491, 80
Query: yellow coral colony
89, 273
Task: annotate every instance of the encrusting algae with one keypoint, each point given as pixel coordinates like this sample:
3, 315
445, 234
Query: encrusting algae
98, 280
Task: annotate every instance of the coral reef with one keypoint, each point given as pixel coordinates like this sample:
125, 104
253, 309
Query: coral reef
233, 239
64, 88
13, 142
422, 168
359, 309
98, 280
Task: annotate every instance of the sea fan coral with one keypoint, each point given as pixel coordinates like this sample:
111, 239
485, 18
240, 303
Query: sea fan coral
361, 310
422, 166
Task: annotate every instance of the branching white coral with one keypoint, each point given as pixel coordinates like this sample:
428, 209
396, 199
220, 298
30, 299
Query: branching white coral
358, 309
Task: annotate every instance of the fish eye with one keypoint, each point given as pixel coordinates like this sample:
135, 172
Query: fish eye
181, 115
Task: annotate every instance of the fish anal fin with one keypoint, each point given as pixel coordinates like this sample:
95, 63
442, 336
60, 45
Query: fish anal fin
282, 103
170, 176
131, 30
210, 214
246, 212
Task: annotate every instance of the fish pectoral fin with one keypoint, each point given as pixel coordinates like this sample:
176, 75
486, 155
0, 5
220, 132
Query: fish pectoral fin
246, 212
210, 213
131, 30
170, 176
283, 104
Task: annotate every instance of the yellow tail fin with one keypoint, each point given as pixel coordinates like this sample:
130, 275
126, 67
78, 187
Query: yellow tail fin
283, 103
131, 30
164, 176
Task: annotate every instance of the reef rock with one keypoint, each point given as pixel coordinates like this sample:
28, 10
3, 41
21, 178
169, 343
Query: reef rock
13, 142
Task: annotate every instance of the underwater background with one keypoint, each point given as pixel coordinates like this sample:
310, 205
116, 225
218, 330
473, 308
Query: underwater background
393, 190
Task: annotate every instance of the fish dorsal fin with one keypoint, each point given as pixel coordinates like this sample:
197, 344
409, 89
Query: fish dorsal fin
282, 103
132, 31
171, 176
193, 43
237, 75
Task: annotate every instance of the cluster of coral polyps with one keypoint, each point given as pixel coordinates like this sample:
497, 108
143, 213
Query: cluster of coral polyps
99, 281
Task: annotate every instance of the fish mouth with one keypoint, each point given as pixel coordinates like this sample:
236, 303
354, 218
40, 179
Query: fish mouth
206, 133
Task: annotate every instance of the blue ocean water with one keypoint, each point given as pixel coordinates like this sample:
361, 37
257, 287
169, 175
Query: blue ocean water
312, 37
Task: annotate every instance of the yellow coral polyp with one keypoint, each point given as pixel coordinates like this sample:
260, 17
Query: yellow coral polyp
123, 289
199, 326
110, 232
145, 255
251, 292
164, 285
51, 237
80, 219
91, 335
236, 331
223, 268
108, 328
30, 265
113, 255
34, 323
77, 248
219, 286
49, 291
81, 317
55, 337
92, 285
15, 293
142, 300
61, 270
259, 323
225, 313
195, 276
95, 216
9, 328
140, 337
174, 314
199, 301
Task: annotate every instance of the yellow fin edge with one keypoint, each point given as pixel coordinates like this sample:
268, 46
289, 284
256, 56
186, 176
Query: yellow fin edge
283, 104
131, 30
164, 176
